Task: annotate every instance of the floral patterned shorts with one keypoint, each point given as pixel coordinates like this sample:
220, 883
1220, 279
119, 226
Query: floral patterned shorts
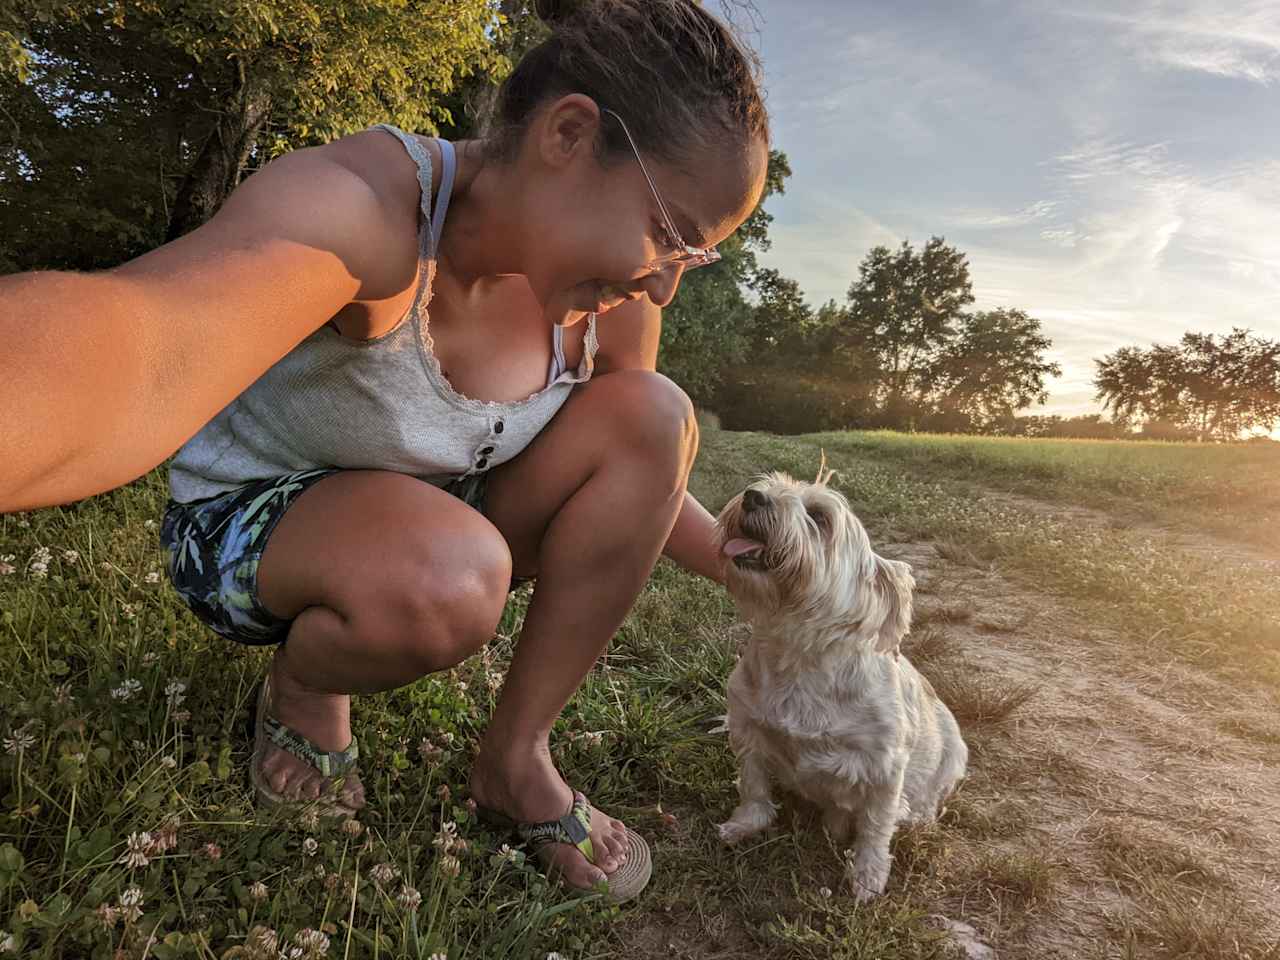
214, 547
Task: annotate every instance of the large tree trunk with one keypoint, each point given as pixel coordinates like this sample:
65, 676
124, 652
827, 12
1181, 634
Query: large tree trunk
223, 156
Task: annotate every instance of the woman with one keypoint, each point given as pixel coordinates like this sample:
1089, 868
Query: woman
430, 369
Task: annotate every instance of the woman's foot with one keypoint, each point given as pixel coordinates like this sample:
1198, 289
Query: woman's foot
525, 786
325, 720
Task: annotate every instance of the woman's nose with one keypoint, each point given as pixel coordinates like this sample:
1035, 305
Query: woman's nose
660, 287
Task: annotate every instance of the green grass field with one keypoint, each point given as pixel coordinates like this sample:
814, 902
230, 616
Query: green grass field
1114, 672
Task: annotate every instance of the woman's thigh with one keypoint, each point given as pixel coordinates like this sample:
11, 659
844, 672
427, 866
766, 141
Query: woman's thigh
398, 559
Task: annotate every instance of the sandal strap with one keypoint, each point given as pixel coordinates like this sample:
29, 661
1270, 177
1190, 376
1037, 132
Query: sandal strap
574, 828
331, 763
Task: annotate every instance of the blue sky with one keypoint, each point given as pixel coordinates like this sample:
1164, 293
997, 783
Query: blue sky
1113, 168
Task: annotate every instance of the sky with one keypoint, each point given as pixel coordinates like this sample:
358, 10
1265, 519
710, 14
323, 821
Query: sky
1110, 166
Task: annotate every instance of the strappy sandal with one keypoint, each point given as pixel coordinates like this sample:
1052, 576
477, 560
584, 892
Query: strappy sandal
574, 828
333, 765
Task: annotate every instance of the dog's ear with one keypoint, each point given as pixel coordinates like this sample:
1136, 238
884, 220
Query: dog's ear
893, 585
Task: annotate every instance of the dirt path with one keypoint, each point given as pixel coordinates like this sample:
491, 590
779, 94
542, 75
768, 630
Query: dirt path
1119, 808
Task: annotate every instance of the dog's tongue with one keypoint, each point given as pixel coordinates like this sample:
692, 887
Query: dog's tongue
739, 546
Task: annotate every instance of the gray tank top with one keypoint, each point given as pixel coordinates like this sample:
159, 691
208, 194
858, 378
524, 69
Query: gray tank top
380, 404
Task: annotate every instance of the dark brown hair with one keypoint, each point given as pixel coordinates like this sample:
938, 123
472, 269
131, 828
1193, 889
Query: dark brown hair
677, 75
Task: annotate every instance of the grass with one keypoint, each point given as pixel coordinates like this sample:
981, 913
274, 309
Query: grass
122, 716
1230, 487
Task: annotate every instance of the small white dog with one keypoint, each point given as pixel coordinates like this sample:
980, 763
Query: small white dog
821, 700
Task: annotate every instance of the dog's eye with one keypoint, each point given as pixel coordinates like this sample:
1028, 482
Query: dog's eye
818, 516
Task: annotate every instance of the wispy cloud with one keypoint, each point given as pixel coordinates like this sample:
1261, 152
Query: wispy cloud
1240, 39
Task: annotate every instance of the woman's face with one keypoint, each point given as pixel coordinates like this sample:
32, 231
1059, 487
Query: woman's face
602, 237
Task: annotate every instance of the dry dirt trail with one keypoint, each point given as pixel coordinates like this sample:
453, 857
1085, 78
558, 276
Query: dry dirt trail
1121, 810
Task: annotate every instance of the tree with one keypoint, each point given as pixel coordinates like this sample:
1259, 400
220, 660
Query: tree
1206, 387
901, 315
993, 367
194, 92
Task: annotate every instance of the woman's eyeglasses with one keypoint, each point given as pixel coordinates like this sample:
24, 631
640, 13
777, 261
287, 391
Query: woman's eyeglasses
687, 256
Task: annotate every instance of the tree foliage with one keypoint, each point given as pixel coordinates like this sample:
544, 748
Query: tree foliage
1207, 387
136, 118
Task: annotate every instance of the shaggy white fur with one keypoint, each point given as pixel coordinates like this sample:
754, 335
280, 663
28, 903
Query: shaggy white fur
821, 700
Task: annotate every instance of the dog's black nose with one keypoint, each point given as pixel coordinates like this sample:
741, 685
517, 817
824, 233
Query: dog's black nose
754, 500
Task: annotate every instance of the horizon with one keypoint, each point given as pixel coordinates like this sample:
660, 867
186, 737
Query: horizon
1110, 171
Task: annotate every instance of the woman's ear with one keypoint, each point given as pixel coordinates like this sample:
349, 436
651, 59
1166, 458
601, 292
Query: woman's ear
566, 129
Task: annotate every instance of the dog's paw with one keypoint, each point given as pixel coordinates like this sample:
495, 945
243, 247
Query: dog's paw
868, 881
732, 832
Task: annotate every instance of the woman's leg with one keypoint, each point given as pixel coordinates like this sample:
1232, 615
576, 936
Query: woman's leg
389, 579
587, 507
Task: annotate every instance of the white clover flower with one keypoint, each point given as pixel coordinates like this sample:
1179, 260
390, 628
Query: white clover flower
450, 865
506, 853
168, 762
824, 892
554, 956
135, 854
128, 610
62, 694
593, 739
152, 577
131, 904
20, 740
462, 686
149, 524
309, 846
447, 837
310, 819
150, 658
410, 899
352, 827
438, 956
107, 915
312, 941
126, 690
383, 873
7, 943
71, 556
428, 750
23, 522
212, 851
258, 890
6, 565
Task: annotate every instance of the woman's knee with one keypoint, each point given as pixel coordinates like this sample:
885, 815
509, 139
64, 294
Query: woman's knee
435, 611
649, 416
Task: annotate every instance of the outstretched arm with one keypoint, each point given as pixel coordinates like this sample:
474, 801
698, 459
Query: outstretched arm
103, 375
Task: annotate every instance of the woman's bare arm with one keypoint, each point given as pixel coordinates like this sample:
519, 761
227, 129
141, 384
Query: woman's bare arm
103, 375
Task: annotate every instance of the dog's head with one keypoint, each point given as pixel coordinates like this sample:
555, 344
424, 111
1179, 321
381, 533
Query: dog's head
797, 550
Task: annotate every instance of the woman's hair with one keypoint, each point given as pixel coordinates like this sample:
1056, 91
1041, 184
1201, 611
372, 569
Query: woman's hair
672, 71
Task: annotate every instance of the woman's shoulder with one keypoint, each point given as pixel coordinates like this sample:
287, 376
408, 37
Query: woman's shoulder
379, 158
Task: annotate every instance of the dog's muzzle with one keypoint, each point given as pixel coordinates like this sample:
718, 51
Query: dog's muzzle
747, 551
